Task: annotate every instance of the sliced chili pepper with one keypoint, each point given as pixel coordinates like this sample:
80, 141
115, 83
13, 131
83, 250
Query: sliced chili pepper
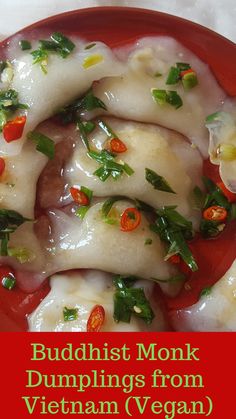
175, 259
7, 277
229, 195
2, 166
117, 146
130, 219
13, 130
79, 196
96, 319
215, 213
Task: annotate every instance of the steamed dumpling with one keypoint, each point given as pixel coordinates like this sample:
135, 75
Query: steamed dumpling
66, 80
83, 290
95, 244
160, 150
129, 96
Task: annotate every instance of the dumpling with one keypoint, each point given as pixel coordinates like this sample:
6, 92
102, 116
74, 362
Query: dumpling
129, 96
83, 290
95, 244
66, 80
158, 149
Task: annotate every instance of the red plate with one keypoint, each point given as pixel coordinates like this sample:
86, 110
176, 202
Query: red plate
116, 26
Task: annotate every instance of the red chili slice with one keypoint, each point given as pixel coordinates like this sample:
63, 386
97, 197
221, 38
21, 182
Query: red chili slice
130, 219
79, 196
215, 213
2, 166
175, 259
183, 73
117, 146
228, 194
96, 319
13, 130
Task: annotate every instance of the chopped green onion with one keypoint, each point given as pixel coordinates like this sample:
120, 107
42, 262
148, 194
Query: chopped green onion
82, 211
90, 102
65, 45
167, 96
24, 45
107, 129
70, 314
3, 65
130, 301
108, 204
89, 46
83, 134
109, 167
44, 144
183, 66
158, 182
148, 241
173, 76
89, 126
10, 220
216, 116
9, 282
205, 292
174, 229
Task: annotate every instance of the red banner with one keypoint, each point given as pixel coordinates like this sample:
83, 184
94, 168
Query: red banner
148, 375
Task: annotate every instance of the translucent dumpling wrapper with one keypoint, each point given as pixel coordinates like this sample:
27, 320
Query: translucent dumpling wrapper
82, 291
149, 61
164, 152
66, 80
222, 146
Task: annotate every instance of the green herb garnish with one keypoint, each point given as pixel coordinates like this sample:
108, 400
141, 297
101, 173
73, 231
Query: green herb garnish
9, 221
59, 44
72, 112
205, 292
107, 129
148, 241
109, 167
170, 97
3, 65
25, 45
83, 209
173, 76
130, 301
70, 314
89, 46
44, 144
158, 182
174, 229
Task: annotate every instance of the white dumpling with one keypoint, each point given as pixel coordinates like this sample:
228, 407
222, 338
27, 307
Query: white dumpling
215, 312
66, 80
95, 244
222, 146
129, 96
19, 180
160, 150
83, 290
